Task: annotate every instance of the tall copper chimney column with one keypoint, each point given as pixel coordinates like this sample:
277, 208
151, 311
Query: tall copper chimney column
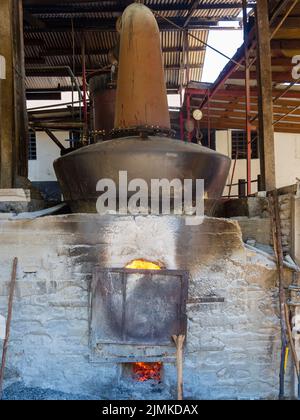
141, 91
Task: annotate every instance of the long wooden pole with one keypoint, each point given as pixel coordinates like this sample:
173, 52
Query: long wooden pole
265, 97
248, 98
7, 125
179, 340
8, 322
277, 239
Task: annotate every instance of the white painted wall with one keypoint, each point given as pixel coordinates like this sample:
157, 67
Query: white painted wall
47, 151
287, 156
42, 168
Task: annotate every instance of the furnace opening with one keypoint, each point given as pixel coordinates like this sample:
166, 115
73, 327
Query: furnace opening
143, 265
143, 372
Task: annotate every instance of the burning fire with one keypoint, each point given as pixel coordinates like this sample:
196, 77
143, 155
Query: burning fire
146, 371
143, 265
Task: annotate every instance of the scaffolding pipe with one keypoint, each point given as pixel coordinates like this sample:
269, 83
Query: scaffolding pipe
232, 175
187, 56
208, 120
56, 106
181, 119
55, 139
84, 88
284, 18
248, 98
72, 76
284, 92
188, 111
287, 114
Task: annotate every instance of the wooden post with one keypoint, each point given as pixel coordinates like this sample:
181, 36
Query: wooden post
277, 240
8, 322
265, 99
21, 118
13, 127
179, 340
6, 99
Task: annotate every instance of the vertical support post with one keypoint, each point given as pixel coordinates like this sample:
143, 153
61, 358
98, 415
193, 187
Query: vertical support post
248, 97
259, 183
188, 116
208, 120
181, 91
187, 69
242, 188
84, 88
2, 81
181, 122
21, 118
6, 99
14, 125
232, 175
187, 56
265, 99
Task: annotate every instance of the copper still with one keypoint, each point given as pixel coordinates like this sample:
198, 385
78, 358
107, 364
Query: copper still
141, 141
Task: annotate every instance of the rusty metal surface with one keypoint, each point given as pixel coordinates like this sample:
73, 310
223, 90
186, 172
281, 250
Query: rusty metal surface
138, 307
141, 89
103, 101
150, 158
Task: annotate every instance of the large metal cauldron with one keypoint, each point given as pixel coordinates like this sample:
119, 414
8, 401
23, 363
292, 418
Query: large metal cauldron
141, 106
145, 158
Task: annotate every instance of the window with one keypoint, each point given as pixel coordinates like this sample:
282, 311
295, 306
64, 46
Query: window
32, 145
239, 145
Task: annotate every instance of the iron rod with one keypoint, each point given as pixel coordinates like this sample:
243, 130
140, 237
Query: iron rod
277, 241
284, 18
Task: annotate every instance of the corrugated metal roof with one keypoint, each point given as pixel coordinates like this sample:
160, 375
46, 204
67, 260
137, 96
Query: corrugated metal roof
50, 46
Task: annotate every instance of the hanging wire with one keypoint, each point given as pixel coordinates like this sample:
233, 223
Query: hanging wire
197, 38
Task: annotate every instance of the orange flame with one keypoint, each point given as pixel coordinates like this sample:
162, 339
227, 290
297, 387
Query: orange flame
143, 265
147, 371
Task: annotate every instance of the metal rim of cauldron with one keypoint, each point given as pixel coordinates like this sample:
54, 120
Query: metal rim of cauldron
142, 131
